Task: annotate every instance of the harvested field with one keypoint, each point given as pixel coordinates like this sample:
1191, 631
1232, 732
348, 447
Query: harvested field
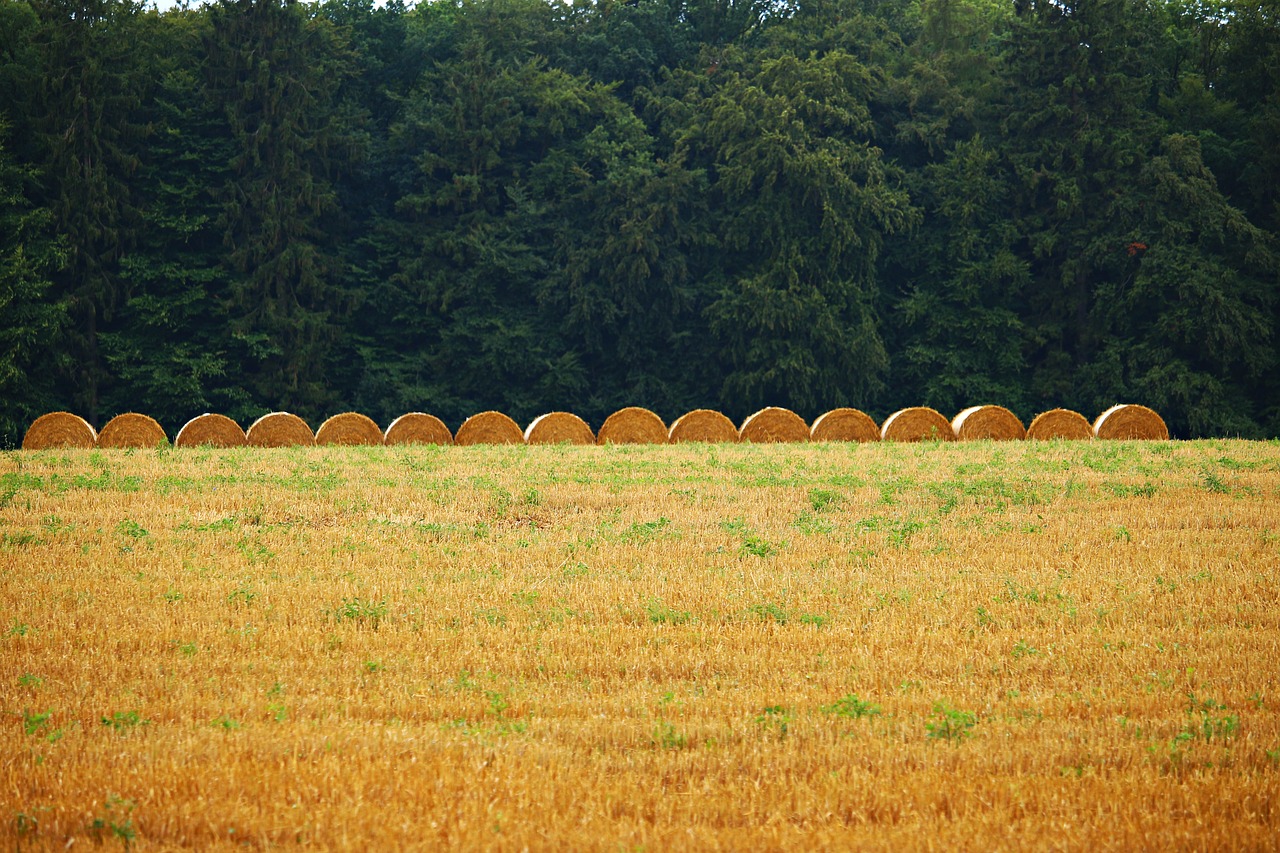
854, 646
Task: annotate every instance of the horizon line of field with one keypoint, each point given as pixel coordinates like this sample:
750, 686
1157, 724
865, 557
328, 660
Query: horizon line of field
630, 425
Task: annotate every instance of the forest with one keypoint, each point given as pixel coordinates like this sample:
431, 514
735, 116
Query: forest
257, 205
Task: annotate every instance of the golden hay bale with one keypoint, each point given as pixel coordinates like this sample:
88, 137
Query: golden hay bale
349, 428
844, 425
488, 428
280, 429
774, 425
703, 425
131, 430
417, 428
59, 429
995, 423
211, 431
1060, 423
559, 428
918, 423
1130, 422
632, 425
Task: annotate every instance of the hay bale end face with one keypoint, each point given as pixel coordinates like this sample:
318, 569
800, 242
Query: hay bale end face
210, 430
1130, 422
559, 428
918, 423
632, 425
131, 430
774, 425
844, 425
1060, 423
59, 429
417, 428
280, 429
703, 425
992, 423
349, 428
488, 428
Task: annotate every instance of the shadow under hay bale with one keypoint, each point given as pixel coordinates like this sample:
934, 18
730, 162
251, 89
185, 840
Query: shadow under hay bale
59, 429
703, 425
131, 430
1130, 422
280, 429
210, 430
918, 423
774, 425
844, 425
632, 425
417, 428
488, 428
559, 428
992, 423
1060, 423
349, 428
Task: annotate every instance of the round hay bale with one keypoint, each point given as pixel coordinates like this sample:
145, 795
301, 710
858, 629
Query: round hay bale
994, 423
1130, 422
844, 425
211, 431
59, 429
703, 425
417, 428
131, 430
774, 425
1060, 423
559, 428
280, 429
349, 428
488, 428
632, 425
918, 423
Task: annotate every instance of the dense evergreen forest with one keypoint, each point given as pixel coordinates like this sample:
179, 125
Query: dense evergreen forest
525, 205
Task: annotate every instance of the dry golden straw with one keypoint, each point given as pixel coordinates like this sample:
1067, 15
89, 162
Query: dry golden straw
559, 428
632, 425
1060, 423
844, 425
488, 428
994, 423
280, 429
210, 430
418, 428
1130, 422
703, 425
918, 423
774, 425
349, 428
59, 429
131, 430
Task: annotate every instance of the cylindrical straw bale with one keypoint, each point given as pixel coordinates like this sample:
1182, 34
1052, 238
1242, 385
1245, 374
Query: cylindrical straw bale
1130, 422
59, 429
489, 428
280, 429
212, 431
703, 425
918, 423
844, 425
559, 428
418, 428
774, 425
995, 423
632, 425
1060, 423
131, 430
349, 428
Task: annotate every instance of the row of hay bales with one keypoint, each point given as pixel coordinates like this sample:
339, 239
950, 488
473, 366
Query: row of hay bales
631, 425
